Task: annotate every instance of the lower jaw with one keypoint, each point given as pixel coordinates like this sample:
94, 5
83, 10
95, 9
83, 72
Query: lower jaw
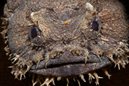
71, 69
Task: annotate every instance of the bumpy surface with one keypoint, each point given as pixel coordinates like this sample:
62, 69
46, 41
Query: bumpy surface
66, 38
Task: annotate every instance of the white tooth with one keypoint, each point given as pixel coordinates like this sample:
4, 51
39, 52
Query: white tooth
6, 37
67, 82
107, 74
34, 83
117, 64
53, 82
123, 63
82, 77
28, 68
14, 59
10, 55
97, 78
90, 77
78, 83
6, 49
47, 82
58, 78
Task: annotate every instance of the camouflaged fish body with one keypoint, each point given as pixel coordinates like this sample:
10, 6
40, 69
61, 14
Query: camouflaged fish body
66, 38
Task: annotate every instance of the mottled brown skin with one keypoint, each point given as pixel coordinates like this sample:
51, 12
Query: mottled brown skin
65, 43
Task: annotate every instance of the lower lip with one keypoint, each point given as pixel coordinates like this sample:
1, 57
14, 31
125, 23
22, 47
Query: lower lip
71, 70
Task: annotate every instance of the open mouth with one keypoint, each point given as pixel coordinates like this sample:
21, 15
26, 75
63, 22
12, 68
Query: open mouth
71, 66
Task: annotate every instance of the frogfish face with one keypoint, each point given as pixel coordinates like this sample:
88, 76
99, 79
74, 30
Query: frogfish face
66, 39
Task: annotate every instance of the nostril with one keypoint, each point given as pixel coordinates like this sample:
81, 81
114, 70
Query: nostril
66, 41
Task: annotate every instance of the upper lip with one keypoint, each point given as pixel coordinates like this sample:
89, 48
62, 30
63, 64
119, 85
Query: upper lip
71, 66
57, 62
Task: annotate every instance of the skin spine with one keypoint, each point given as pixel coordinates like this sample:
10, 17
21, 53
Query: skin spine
66, 39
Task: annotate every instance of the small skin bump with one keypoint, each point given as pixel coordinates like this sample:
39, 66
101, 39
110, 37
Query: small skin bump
89, 6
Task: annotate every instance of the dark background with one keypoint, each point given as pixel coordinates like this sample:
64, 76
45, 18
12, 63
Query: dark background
119, 78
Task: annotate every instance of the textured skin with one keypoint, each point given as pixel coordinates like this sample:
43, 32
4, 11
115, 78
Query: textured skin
64, 36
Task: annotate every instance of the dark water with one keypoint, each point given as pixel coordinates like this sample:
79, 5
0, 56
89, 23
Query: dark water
119, 78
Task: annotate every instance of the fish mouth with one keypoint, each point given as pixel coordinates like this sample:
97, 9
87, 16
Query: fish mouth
72, 66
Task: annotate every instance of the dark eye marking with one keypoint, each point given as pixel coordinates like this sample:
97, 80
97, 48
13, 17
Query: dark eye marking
34, 32
35, 37
95, 24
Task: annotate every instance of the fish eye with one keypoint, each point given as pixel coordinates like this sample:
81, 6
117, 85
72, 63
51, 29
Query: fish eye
34, 32
95, 24
35, 37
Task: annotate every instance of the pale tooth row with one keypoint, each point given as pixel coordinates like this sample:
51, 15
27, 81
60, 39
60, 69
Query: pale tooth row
92, 76
18, 74
119, 62
47, 82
